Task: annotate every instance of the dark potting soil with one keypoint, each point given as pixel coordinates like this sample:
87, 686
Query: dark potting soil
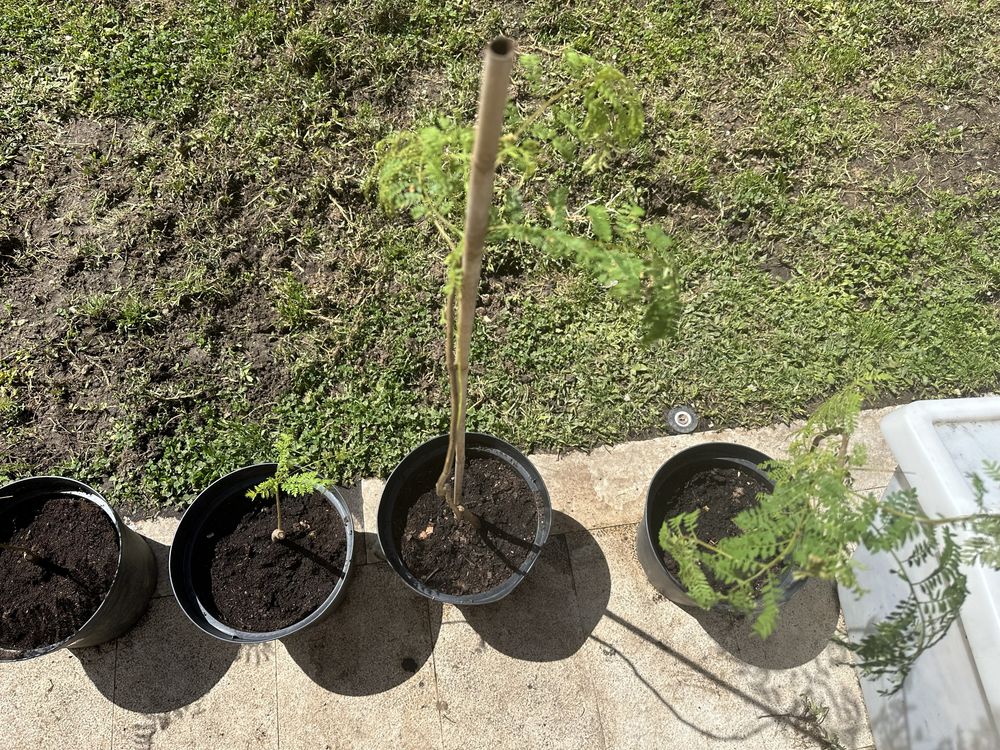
720, 494
254, 584
45, 600
452, 556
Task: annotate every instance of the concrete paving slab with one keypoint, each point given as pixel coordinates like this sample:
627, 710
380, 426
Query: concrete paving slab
511, 674
869, 434
364, 677
870, 480
371, 493
572, 489
49, 702
159, 533
176, 687
663, 682
504, 702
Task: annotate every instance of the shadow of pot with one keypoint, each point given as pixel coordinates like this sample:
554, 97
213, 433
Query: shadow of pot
190, 588
429, 458
135, 576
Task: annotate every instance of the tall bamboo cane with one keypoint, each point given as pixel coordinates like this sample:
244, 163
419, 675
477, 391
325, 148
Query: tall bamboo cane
493, 92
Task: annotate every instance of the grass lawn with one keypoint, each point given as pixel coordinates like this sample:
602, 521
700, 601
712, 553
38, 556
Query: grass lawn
191, 259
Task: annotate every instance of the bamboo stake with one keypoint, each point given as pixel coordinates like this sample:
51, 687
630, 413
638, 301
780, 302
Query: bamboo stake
493, 92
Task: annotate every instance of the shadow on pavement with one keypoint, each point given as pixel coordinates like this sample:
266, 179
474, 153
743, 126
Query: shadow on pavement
800, 721
164, 663
379, 636
805, 626
543, 619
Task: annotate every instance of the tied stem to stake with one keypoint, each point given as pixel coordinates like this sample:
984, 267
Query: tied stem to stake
493, 93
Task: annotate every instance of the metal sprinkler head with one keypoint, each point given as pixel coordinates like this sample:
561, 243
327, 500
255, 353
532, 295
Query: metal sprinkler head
682, 420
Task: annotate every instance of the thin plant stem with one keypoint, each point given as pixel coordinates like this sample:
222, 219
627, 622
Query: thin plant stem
539, 111
441, 488
924, 520
449, 357
278, 534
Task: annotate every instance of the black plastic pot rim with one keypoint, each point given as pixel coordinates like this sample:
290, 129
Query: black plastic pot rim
220, 630
83, 492
487, 444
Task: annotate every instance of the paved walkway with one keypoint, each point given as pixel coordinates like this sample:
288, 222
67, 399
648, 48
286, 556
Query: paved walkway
584, 654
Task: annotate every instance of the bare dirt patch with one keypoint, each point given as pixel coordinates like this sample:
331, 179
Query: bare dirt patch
110, 317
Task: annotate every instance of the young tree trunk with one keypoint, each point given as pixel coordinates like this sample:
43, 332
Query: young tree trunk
493, 94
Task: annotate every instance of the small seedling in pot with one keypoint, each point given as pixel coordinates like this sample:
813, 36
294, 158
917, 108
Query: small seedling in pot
284, 480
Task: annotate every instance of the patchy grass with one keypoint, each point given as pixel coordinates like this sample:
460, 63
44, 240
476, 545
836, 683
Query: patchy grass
190, 260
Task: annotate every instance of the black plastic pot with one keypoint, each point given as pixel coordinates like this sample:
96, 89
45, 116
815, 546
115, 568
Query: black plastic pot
431, 455
184, 547
662, 490
134, 580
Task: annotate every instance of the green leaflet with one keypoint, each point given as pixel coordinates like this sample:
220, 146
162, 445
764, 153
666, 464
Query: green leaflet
295, 483
593, 115
600, 224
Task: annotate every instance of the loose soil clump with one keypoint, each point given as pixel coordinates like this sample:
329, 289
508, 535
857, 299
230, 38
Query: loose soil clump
256, 585
453, 557
47, 598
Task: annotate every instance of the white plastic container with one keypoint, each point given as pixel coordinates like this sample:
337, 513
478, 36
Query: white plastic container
951, 699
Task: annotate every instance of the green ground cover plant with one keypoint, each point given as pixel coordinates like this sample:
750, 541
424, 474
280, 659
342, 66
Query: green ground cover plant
190, 259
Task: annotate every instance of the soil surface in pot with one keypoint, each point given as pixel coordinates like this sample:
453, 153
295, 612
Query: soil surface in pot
454, 557
720, 494
49, 599
254, 584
